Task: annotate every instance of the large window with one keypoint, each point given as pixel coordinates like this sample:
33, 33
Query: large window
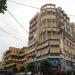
53, 20
48, 22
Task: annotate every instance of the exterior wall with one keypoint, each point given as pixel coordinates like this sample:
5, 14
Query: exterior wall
54, 36
18, 58
7, 58
1, 65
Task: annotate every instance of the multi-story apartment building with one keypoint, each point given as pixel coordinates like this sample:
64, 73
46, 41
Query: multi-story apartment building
1, 63
51, 37
7, 57
15, 57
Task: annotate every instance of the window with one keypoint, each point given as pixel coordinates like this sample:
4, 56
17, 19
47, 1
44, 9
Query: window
44, 21
48, 12
43, 14
48, 22
43, 36
49, 34
53, 13
53, 20
62, 26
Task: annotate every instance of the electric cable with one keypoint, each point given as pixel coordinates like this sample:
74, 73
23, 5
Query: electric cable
29, 6
23, 4
17, 21
11, 27
11, 35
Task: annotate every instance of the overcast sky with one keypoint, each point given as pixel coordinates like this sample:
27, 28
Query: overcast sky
23, 14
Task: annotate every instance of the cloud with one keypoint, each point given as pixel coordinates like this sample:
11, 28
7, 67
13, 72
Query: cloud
23, 15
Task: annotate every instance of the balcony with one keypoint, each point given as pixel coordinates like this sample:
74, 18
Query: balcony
55, 29
54, 42
9, 65
49, 29
54, 50
30, 36
54, 37
8, 55
44, 44
32, 24
38, 54
32, 42
38, 47
48, 17
61, 20
61, 14
44, 29
19, 60
9, 59
34, 28
31, 50
44, 51
20, 55
46, 6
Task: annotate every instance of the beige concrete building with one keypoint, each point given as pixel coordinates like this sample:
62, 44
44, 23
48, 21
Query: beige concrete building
51, 37
1, 65
8, 59
15, 57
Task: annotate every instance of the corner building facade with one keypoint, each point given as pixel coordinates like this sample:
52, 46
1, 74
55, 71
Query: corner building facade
50, 37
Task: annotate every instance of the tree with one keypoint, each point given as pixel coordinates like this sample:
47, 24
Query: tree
15, 69
22, 69
45, 67
3, 6
31, 67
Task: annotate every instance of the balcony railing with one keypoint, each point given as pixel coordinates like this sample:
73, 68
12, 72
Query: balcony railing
45, 51
8, 65
54, 50
54, 42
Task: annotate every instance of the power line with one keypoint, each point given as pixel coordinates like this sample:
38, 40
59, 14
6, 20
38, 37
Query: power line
17, 21
72, 15
11, 35
29, 6
23, 4
11, 27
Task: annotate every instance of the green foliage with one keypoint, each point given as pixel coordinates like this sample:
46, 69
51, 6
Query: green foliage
22, 69
45, 66
15, 69
3, 6
31, 67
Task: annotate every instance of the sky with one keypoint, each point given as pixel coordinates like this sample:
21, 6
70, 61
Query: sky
12, 34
